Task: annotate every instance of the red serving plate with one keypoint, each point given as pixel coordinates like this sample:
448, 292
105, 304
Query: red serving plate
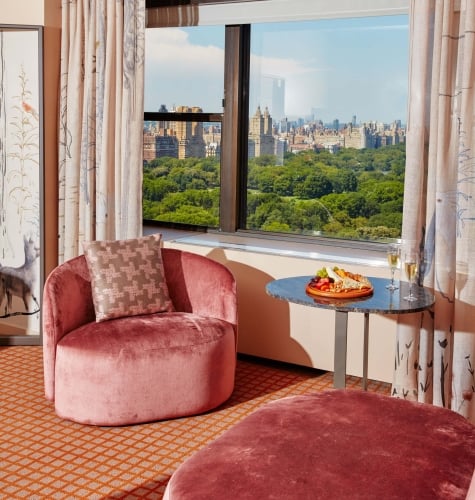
345, 294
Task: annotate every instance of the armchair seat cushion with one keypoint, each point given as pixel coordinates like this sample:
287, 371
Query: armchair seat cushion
126, 370
136, 334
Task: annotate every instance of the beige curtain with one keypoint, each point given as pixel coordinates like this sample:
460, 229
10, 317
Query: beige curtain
101, 122
435, 352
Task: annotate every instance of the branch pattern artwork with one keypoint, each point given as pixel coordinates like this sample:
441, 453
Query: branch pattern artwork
20, 182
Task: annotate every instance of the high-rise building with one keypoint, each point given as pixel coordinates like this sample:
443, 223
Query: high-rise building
149, 149
190, 135
261, 139
166, 145
163, 125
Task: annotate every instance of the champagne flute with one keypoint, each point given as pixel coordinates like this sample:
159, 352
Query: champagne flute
394, 254
411, 266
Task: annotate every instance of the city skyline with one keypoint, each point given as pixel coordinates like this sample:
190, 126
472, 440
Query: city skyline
348, 67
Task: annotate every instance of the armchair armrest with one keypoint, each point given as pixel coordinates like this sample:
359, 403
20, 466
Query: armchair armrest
200, 285
67, 304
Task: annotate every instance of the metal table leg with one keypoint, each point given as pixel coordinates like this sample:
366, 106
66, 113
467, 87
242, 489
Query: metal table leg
365, 351
339, 368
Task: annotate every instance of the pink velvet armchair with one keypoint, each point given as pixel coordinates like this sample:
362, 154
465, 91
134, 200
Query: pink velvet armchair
146, 367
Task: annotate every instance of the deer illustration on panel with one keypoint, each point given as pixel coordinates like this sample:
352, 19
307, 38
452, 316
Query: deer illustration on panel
20, 281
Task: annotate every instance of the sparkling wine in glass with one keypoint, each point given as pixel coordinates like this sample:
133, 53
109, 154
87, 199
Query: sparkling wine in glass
394, 255
411, 266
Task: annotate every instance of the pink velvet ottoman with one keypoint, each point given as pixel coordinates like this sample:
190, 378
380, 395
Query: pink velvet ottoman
338, 444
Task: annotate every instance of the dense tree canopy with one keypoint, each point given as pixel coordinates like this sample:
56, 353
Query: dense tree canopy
355, 193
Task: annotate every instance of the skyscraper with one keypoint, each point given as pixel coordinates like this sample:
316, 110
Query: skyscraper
261, 139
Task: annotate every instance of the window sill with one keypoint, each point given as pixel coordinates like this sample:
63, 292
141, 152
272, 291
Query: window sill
279, 247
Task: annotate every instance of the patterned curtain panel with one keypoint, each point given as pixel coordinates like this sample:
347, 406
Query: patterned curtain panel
435, 352
101, 122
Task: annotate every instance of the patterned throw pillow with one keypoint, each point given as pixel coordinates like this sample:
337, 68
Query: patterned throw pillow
127, 277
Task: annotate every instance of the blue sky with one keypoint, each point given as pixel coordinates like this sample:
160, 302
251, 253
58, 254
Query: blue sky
339, 68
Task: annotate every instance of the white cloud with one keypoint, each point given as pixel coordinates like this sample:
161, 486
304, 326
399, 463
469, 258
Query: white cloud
179, 73
169, 51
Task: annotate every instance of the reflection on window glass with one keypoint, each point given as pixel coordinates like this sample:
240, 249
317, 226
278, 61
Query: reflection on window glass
327, 113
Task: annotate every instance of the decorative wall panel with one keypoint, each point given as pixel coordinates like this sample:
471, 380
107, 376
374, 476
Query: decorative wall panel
21, 184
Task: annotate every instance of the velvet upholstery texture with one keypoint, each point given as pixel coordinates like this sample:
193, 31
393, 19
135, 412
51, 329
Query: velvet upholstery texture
145, 367
338, 444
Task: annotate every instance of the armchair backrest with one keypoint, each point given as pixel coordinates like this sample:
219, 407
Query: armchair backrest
200, 285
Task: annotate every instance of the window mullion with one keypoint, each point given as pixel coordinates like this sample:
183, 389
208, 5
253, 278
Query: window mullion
234, 128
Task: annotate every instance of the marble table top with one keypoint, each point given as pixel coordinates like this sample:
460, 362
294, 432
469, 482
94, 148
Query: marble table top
383, 301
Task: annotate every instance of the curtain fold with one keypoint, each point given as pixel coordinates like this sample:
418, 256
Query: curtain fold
101, 122
435, 351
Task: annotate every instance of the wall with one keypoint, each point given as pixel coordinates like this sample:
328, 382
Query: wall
293, 333
52, 52
22, 12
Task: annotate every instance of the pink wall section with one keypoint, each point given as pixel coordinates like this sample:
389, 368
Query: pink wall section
23, 12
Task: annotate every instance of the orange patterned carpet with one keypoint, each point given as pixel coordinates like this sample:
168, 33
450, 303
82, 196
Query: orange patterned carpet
43, 456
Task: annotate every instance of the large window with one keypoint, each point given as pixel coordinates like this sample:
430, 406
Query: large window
315, 145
